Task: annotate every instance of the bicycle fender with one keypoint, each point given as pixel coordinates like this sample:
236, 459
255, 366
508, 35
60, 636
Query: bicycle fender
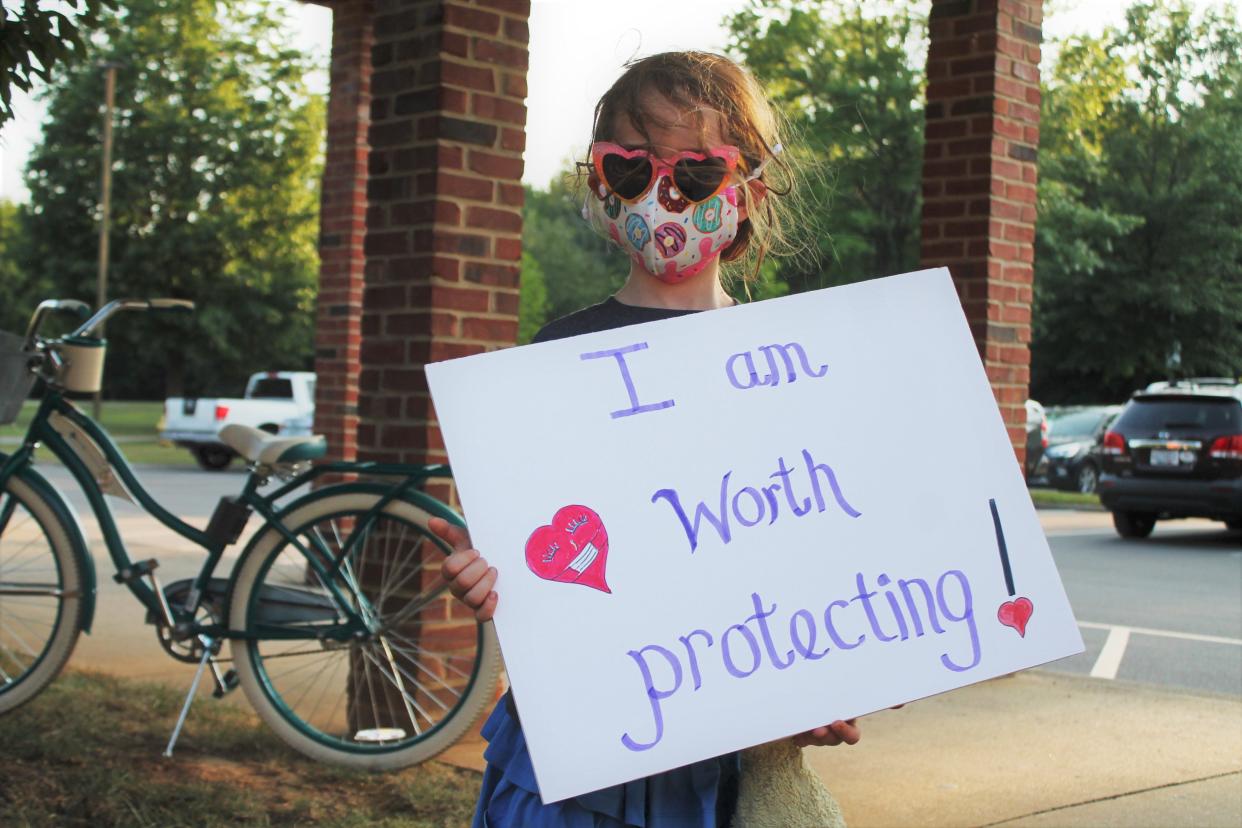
73, 528
424, 501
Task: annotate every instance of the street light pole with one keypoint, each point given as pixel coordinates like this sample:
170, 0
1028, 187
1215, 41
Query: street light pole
101, 281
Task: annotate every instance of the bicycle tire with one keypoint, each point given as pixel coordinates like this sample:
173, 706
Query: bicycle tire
274, 591
37, 632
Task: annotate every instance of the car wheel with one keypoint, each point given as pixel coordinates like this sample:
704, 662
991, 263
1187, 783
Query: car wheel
1088, 477
1134, 524
213, 458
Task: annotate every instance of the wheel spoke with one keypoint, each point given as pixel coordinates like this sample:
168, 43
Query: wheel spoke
381, 693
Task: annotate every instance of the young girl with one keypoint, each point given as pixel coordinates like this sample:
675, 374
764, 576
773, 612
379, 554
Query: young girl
680, 135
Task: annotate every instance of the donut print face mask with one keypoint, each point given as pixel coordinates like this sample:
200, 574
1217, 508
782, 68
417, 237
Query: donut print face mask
663, 230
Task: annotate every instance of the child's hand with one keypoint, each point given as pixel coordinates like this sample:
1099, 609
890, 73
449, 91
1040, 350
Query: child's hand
830, 735
468, 575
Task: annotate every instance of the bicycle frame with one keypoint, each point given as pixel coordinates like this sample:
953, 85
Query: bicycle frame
321, 559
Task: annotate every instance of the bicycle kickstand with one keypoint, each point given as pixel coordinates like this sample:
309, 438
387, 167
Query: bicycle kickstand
208, 648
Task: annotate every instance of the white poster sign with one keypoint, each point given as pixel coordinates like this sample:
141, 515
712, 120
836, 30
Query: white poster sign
729, 527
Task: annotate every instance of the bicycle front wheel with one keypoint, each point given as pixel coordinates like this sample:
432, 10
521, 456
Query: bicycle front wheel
393, 694
40, 593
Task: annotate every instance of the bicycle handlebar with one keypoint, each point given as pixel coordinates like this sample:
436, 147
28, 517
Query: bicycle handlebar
52, 305
117, 305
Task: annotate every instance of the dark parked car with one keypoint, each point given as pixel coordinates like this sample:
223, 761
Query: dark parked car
1072, 459
1036, 437
1172, 453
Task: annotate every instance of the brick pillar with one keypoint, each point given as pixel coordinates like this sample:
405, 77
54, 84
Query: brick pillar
342, 230
443, 242
444, 223
979, 175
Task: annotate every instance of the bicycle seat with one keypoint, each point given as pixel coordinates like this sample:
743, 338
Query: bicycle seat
258, 446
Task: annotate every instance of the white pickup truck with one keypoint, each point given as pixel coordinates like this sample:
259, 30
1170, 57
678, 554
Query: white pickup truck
280, 402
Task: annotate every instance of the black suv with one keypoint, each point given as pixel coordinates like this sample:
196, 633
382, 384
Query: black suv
1172, 453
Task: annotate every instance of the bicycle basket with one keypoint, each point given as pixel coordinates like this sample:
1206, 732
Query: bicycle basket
16, 378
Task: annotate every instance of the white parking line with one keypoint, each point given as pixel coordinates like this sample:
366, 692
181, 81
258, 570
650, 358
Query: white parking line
1109, 661
1184, 636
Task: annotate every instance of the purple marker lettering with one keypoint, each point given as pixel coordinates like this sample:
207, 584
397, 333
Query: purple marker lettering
693, 656
752, 378
753, 494
806, 650
721, 523
761, 618
653, 695
928, 602
784, 350
832, 628
967, 614
865, 597
620, 353
751, 642
814, 470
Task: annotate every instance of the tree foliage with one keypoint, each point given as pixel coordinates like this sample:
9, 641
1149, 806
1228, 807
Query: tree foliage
34, 38
1138, 267
573, 265
849, 82
18, 294
848, 78
217, 157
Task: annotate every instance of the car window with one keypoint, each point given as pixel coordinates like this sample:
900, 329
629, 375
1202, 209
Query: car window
271, 388
1158, 415
1076, 424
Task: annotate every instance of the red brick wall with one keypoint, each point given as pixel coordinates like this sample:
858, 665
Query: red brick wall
444, 218
979, 177
342, 230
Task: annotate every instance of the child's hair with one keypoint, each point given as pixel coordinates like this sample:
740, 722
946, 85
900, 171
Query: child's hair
699, 82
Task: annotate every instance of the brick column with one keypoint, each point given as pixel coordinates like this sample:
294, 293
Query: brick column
979, 175
443, 242
444, 223
342, 230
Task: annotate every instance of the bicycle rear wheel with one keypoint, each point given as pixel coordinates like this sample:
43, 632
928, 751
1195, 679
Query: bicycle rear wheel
40, 593
388, 696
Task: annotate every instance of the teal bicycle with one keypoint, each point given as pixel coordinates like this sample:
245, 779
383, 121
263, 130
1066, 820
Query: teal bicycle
340, 629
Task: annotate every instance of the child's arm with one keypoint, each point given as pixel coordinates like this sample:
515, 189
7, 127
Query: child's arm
468, 575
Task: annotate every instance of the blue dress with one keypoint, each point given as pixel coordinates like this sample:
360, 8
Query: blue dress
701, 795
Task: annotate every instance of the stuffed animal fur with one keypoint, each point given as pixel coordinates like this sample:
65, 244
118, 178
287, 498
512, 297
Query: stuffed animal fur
778, 790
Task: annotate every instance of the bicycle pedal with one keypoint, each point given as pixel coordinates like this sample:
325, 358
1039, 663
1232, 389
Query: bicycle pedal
225, 684
139, 569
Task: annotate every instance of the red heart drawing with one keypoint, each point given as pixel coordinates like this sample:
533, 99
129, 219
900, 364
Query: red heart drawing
1016, 613
573, 548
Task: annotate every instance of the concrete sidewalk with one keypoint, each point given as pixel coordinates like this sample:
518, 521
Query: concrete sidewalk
1035, 749
1044, 749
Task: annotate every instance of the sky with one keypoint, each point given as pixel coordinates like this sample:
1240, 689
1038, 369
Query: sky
573, 60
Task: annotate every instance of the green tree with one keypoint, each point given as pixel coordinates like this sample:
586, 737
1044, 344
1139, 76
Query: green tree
216, 166
849, 80
533, 301
577, 267
1139, 239
33, 40
18, 294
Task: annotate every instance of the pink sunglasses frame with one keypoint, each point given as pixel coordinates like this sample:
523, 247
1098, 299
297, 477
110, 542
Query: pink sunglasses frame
726, 152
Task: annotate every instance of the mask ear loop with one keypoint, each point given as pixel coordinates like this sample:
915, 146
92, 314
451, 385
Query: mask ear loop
758, 171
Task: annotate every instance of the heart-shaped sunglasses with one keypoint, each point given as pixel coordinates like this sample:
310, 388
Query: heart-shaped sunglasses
629, 173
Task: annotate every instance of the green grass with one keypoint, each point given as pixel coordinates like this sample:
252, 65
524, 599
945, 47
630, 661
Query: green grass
1055, 497
87, 752
128, 420
120, 419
